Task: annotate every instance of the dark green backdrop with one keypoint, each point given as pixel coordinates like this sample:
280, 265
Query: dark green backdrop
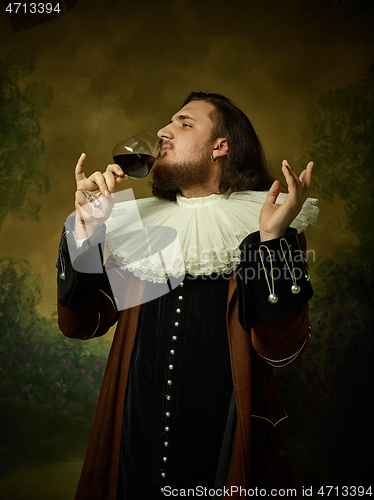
101, 70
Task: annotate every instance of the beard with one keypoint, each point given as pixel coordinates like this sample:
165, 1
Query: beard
170, 178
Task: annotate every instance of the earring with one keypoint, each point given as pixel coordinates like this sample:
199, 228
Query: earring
214, 160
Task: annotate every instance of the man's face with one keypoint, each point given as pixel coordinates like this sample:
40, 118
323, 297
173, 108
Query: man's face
185, 148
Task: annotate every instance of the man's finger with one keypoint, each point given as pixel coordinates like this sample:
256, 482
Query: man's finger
289, 174
273, 192
110, 180
79, 169
119, 176
309, 170
116, 169
99, 180
306, 176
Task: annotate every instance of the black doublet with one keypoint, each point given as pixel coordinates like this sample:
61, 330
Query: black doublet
172, 425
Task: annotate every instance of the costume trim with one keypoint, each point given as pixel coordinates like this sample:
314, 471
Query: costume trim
106, 295
268, 420
290, 358
90, 337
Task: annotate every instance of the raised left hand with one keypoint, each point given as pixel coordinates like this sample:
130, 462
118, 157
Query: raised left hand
274, 218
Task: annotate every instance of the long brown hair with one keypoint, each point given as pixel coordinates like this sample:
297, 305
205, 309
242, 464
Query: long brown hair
245, 167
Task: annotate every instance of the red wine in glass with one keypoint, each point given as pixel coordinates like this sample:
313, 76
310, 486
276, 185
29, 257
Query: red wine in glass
136, 154
136, 166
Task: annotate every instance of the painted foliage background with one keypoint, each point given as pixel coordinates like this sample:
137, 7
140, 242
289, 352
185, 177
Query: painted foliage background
103, 69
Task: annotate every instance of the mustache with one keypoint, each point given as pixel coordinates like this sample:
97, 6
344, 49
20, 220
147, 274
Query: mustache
164, 142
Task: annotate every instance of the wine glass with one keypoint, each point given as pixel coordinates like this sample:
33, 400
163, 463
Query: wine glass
136, 154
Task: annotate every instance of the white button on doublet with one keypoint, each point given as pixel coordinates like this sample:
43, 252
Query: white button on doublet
169, 382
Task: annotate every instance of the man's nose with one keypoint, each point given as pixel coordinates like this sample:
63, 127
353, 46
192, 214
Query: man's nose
165, 132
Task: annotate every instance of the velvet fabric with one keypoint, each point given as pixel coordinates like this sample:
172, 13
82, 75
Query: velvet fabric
258, 459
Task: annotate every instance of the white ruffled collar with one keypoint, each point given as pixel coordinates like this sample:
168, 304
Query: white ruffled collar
209, 231
201, 202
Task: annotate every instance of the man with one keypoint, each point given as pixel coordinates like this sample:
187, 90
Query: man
188, 399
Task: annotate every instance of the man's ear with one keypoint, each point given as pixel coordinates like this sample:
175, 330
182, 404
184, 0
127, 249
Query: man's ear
221, 147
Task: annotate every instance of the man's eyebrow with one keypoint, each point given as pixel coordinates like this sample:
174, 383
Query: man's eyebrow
182, 117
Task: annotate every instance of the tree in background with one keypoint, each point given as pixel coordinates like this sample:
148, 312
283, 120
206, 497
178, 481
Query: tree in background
331, 391
49, 384
21, 142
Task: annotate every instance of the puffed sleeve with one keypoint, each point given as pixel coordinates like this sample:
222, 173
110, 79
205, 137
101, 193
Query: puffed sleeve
86, 306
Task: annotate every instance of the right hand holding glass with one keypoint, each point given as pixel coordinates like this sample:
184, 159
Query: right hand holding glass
94, 198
